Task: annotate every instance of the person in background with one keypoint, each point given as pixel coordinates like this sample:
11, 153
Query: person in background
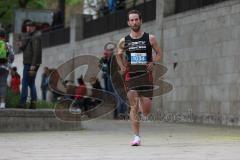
32, 59
112, 4
6, 59
104, 65
95, 85
80, 92
44, 83
58, 19
15, 81
102, 8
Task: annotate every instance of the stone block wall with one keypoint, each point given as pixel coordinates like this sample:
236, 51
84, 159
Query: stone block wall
205, 46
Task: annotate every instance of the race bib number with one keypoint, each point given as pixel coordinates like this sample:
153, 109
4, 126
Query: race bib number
138, 58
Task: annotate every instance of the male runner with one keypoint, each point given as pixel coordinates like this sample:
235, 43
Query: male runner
134, 57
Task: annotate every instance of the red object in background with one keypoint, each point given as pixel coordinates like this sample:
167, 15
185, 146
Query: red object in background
80, 91
15, 84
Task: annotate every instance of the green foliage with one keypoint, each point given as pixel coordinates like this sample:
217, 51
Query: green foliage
6, 11
12, 101
7, 8
73, 2
39, 4
45, 105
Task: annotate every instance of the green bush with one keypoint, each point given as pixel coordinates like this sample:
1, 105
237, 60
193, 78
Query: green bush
41, 104
12, 101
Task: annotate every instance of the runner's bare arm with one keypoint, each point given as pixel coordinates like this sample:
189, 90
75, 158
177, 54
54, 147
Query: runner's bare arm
156, 48
120, 53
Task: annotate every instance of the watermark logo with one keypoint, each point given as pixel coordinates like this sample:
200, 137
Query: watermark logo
101, 102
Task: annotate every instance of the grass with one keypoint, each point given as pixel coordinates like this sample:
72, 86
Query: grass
12, 101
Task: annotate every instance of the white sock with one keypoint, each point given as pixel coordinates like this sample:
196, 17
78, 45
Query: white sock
136, 137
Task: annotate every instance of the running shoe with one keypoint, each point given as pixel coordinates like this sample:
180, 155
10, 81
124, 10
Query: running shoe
136, 142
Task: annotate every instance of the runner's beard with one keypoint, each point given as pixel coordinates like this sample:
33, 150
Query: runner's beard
136, 28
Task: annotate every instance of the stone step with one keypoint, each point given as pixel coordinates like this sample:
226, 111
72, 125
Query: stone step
16, 120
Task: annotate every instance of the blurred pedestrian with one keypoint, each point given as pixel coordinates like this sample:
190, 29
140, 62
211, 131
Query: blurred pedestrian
44, 83
80, 92
15, 81
32, 58
6, 59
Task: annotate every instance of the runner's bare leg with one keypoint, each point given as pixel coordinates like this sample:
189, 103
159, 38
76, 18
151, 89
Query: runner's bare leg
133, 100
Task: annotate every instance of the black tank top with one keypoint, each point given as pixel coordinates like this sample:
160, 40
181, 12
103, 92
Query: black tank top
138, 51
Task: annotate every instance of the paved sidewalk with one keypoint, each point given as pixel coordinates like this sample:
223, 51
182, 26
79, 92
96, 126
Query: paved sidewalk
109, 140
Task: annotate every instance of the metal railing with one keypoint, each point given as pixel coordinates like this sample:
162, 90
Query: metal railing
118, 19
55, 37
185, 5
